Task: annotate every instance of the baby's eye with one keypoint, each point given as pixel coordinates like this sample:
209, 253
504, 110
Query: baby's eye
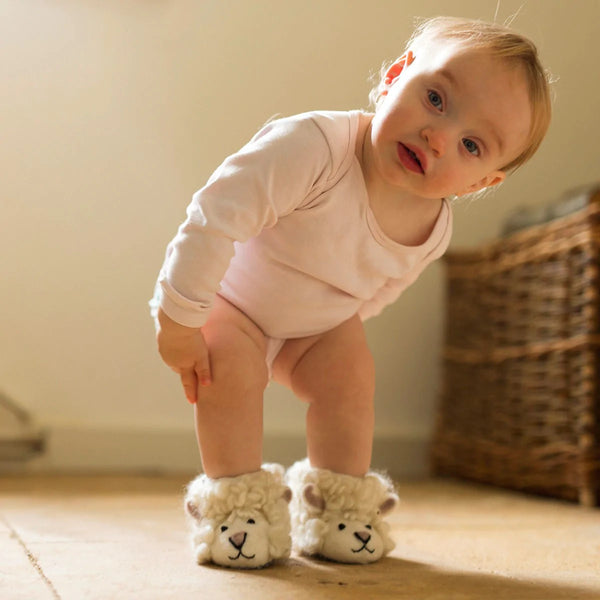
341, 527
224, 528
368, 527
471, 146
435, 100
251, 521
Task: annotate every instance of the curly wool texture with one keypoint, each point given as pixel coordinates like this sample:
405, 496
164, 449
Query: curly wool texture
346, 497
211, 502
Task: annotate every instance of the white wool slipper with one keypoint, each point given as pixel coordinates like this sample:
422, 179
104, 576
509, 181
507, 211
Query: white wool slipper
339, 517
240, 522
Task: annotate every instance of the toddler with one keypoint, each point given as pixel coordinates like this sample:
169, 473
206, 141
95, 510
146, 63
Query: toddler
315, 225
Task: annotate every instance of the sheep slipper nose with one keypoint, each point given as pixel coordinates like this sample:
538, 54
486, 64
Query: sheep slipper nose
238, 540
363, 536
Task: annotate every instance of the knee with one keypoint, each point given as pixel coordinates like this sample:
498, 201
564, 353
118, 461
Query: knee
238, 379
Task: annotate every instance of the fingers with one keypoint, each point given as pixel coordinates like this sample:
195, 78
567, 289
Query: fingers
190, 385
202, 367
185, 351
204, 377
193, 377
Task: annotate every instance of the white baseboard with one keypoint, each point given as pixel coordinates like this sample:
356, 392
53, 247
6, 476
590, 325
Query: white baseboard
80, 449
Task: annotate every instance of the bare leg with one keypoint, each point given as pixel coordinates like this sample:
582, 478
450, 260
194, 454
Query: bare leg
229, 412
335, 374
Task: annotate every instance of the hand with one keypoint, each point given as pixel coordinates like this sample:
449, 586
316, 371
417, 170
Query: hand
185, 351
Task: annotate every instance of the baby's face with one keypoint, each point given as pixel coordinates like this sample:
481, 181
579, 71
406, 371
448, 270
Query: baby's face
450, 121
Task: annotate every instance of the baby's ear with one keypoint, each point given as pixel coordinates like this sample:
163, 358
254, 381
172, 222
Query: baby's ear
397, 67
494, 178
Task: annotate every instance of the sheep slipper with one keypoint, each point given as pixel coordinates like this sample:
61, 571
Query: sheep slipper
240, 522
339, 517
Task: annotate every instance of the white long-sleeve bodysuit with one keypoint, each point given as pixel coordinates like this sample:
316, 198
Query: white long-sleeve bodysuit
283, 230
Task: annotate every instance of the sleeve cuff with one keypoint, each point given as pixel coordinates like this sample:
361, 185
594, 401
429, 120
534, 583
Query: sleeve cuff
177, 307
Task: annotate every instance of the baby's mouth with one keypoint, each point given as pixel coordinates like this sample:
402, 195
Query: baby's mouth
410, 159
416, 158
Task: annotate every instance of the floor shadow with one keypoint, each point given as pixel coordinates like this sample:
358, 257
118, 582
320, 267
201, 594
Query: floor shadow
399, 579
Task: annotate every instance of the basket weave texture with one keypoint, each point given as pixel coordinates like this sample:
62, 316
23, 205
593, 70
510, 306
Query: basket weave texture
520, 405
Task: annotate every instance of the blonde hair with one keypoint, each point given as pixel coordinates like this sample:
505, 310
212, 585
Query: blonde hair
503, 43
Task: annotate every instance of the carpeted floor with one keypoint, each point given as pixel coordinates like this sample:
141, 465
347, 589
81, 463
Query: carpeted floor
113, 537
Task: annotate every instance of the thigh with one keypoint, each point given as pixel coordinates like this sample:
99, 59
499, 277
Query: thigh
336, 359
225, 315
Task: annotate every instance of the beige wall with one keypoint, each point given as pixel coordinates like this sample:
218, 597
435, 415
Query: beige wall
113, 113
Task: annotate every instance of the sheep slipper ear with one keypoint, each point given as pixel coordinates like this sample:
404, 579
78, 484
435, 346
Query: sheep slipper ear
339, 517
240, 522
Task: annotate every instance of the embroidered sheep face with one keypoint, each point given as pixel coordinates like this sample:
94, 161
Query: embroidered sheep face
344, 537
246, 538
352, 541
242, 542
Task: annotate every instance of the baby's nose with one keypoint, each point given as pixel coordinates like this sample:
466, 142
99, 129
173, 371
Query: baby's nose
436, 140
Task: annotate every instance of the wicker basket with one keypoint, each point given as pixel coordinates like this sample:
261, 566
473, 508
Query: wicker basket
520, 405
